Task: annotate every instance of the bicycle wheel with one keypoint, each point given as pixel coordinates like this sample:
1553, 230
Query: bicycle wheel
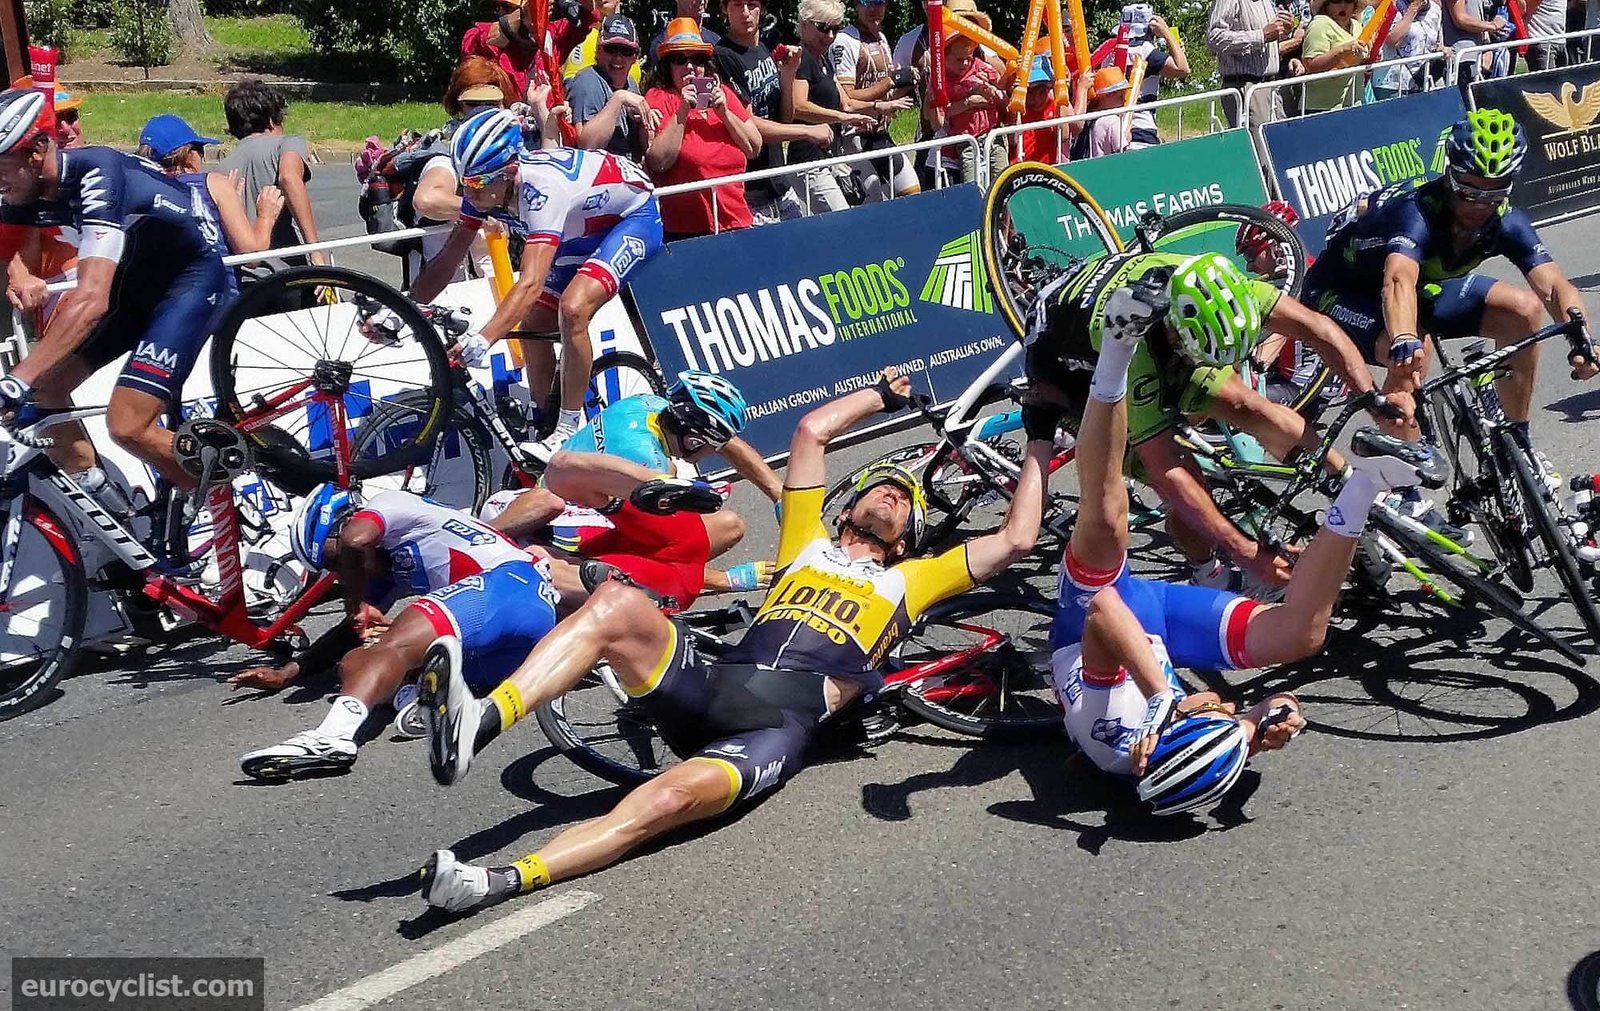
1542, 510
43, 609
456, 473
618, 375
1476, 588
1002, 692
605, 733
1038, 225
1215, 229
1479, 492
292, 368
914, 458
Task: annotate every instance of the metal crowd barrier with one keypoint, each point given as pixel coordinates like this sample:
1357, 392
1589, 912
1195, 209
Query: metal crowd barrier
790, 171
1472, 52
1003, 133
1358, 74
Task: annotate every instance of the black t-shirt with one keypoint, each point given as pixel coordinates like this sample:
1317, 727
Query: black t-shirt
753, 75
818, 74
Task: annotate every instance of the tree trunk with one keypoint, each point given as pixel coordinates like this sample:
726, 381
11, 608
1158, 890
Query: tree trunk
189, 25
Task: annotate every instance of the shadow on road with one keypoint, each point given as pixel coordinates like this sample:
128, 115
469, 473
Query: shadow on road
1577, 408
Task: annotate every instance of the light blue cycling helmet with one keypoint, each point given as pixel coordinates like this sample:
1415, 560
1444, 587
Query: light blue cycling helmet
1197, 760
486, 143
707, 406
316, 518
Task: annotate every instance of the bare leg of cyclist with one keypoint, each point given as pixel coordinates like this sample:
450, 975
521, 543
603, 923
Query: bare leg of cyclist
1114, 639
582, 299
72, 452
724, 529
1280, 430
1100, 535
134, 421
593, 479
1510, 314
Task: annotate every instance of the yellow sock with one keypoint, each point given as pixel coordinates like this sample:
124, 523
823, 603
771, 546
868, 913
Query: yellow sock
533, 871
508, 703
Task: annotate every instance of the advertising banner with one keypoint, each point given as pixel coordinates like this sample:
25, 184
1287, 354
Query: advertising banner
799, 313
1218, 168
1324, 161
1560, 111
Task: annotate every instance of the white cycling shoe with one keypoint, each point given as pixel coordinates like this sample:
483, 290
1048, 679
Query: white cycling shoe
547, 447
308, 753
451, 885
453, 713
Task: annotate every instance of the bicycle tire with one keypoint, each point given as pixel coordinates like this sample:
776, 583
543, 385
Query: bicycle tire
1541, 508
1476, 589
997, 221
25, 690
1004, 693
1192, 224
292, 462
593, 731
914, 458
1490, 507
465, 434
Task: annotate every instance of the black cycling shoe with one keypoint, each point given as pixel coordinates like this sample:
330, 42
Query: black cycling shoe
1387, 458
592, 572
667, 495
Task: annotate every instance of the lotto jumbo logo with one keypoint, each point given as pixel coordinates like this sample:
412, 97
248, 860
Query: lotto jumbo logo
958, 280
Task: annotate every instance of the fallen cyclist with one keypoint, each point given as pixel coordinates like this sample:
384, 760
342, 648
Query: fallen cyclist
835, 612
1117, 638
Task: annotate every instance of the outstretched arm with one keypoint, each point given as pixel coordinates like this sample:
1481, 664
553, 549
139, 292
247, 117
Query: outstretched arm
807, 468
991, 554
748, 463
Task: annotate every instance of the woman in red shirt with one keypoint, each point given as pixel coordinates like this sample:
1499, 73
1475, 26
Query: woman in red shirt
705, 132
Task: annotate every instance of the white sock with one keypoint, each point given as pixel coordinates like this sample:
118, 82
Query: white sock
1110, 382
344, 718
1347, 517
568, 421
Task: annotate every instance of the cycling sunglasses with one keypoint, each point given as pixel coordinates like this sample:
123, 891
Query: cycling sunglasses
695, 429
482, 182
1478, 194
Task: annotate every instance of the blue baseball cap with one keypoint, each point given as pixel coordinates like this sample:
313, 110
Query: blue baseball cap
1040, 72
167, 133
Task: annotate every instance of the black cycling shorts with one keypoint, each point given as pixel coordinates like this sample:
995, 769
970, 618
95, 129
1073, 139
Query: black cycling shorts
754, 722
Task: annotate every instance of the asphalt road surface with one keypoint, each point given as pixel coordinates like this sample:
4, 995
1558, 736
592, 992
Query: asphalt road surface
1425, 854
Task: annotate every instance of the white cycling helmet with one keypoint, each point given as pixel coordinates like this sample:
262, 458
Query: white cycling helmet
21, 117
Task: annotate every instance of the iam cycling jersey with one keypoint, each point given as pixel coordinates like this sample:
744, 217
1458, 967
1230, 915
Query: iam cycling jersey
430, 546
169, 278
1190, 626
598, 211
827, 613
1162, 385
1346, 282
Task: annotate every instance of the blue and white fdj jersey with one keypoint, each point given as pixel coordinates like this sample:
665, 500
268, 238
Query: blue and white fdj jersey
431, 546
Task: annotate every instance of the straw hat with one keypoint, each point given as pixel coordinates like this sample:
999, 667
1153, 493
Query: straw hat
968, 9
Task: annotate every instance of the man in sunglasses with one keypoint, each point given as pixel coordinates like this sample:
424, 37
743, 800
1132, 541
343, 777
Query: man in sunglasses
607, 106
1399, 261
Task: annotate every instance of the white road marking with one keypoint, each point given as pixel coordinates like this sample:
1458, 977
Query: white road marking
426, 965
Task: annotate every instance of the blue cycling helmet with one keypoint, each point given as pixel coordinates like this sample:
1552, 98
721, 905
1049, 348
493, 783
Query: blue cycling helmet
486, 143
316, 518
1196, 761
707, 406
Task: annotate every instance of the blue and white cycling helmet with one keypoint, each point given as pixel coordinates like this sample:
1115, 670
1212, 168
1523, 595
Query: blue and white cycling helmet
1197, 760
21, 117
318, 517
706, 407
486, 143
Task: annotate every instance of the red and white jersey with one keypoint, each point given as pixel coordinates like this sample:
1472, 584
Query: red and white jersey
429, 546
565, 195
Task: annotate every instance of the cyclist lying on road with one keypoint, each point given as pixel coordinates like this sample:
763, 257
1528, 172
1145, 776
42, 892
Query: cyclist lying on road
1205, 316
834, 614
1117, 638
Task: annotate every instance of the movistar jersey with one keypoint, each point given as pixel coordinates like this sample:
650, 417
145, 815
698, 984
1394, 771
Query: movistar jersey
1417, 224
830, 614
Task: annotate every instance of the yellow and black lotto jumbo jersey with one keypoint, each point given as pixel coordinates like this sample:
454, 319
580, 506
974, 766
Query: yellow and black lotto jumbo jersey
830, 615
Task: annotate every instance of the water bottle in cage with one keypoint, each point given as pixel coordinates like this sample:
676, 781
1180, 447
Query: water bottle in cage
1583, 518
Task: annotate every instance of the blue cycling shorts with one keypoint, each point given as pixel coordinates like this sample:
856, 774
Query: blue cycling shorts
609, 257
1200, 627
1455, 311
499, 616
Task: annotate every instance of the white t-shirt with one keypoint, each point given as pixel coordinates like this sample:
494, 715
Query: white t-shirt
859, 64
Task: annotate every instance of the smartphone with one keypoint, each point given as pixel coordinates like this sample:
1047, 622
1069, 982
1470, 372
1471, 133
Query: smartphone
704, 85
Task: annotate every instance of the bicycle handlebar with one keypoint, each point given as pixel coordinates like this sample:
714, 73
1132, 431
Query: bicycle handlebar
1581, 351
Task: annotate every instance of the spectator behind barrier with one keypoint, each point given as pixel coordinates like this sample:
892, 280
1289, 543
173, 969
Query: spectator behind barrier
69, 131
1331, 43
912, 51
864, 67
1465, 24
1051, 145
977, 95
1104, 135
1546, 17
266, 156
1244, 37
695, 141
180, 151
693, 9
1169, 63
817, 99
508, 40
583, 57
1418, 29
607, 106
752, 71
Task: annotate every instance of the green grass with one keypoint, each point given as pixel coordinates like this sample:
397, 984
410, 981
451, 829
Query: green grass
116, 118
279, 35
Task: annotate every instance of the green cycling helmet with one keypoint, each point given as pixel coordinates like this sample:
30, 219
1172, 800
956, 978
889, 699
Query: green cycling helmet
1486, 143
1214, 310
884, 472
